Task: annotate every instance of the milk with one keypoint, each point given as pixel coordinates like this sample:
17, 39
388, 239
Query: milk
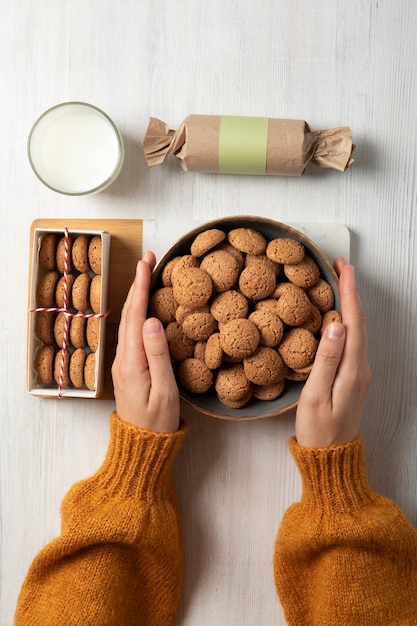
74, 148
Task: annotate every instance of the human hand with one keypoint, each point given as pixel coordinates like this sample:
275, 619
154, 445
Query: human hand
331, 403
145, 389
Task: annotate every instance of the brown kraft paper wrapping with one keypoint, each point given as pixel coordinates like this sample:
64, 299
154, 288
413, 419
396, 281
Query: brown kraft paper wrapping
247, 145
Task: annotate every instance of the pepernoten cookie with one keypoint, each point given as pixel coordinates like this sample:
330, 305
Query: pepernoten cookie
95, 293
47, 251
195, 376
76, 367
298, 348
247, 240
92, 332
90, 371
61, 368
80, 253
81, 292
44, 327
59, 293
95, 254
60, 255
285, 250
77, 331
45, 365
264, 366
191, 286
222, 268
206, 240
45, 292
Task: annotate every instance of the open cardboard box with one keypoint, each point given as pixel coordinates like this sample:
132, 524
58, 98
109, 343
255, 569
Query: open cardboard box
33, 342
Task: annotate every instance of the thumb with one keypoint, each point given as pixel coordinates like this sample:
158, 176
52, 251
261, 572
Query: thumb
328, 357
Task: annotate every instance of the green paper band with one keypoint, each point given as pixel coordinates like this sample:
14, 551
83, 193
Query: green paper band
242, 145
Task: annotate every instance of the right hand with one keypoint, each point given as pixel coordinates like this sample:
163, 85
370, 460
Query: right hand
331, 404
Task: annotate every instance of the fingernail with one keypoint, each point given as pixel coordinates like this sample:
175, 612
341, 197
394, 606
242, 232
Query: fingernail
152, 327
335, 331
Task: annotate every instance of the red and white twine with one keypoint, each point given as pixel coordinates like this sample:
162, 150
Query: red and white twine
68, 314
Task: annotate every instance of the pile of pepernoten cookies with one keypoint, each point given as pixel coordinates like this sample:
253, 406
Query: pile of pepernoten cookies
243, 315
77, 365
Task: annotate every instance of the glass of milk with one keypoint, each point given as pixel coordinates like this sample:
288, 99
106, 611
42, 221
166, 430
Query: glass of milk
74, 148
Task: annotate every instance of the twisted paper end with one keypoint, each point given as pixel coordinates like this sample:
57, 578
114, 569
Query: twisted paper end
160, 141
333, 148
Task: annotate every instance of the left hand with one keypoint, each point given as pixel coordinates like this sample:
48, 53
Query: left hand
145, 388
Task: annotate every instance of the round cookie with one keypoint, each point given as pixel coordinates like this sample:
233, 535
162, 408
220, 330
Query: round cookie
95, 254
180, 346
321, 295
167, 271
47, 251
80, 253
269, 325
182, 311
300, 374
231, 383
298, 348
92, 332
76, 367
237, 404
229, 305
163, 305
60, 255
45, 291
268, 392
257, 281
293, 307
77, 331
328, 318
213, 354
239, 338
247, 240
90, 371
95, 293
264, 366
285, 250
191, 286
195, 376
304, 274
81, 292
199, 351
61, 368
314, 320
44, 365
237, 254
59, 328
206, 240
222, 268
59, 293
188, 260
262, 259
44, 327
199, 326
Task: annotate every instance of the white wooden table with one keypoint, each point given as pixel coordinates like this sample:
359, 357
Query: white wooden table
331, 63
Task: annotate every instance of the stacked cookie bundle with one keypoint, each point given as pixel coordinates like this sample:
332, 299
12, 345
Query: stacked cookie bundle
242, 314
70, 280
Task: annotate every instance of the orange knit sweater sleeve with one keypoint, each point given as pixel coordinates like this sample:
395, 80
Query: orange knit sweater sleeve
118, 560
344, 554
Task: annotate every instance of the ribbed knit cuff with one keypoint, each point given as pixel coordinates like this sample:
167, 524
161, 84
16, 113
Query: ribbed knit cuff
138, 461
334, 478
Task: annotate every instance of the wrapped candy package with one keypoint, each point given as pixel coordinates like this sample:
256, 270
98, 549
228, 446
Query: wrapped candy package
247, 145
